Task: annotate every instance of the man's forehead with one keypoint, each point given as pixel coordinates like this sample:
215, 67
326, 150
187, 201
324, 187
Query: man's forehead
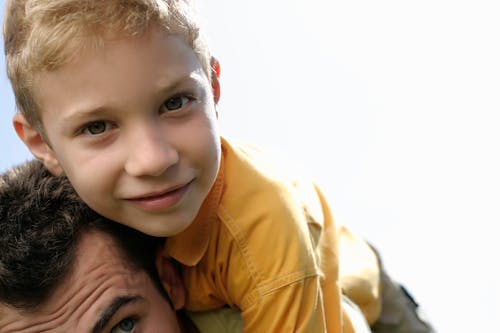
95, 248
96, 280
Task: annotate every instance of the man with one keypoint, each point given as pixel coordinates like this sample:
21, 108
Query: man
63, 268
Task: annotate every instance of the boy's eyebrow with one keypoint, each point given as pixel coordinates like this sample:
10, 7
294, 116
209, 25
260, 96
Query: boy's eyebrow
192, 78
113, 307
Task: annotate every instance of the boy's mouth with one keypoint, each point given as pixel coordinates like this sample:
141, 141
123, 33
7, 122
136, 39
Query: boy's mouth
162, 200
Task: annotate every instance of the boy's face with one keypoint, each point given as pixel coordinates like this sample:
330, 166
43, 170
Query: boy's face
133, 126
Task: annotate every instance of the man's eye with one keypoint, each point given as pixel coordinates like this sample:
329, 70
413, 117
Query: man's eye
127, 325
96, 127
174, 103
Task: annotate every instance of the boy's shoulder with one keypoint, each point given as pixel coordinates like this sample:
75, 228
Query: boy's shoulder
258, 164
248, 168
255, 179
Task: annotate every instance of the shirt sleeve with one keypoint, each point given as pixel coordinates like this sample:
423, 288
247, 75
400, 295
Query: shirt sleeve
296, 307
283, 266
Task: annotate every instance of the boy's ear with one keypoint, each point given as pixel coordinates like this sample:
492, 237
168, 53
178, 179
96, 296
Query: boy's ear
35, 143
215, 66
171, 280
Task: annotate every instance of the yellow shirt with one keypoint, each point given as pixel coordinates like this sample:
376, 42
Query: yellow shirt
267, 245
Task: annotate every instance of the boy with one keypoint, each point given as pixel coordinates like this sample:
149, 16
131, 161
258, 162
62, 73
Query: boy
121, 96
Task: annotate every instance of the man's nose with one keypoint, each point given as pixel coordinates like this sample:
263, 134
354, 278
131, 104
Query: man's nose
150, 153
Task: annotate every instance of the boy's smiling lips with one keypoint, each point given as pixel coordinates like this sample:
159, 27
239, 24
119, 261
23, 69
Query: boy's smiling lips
161, 200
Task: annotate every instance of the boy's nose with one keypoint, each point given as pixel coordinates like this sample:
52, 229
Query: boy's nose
150, 154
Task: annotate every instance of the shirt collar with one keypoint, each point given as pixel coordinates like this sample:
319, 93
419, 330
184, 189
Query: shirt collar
190, 246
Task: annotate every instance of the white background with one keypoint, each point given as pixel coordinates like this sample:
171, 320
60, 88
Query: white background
393, 107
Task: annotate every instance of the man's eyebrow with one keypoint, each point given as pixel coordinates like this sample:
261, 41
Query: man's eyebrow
112, 308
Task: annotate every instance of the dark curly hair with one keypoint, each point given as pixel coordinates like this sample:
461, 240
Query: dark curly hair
42, 220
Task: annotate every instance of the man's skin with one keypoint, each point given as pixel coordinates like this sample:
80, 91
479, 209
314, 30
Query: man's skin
101, 294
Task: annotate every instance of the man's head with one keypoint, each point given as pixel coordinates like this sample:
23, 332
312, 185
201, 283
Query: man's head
119, 96
65, 269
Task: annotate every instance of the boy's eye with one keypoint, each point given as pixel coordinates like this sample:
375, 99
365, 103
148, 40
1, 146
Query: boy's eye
96, 127
127, 325
174, 103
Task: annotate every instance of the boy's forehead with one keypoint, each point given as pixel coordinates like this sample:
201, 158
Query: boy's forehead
151, 44
123, 57
83, 49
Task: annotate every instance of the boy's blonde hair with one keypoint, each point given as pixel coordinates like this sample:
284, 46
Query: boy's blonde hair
43, 35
